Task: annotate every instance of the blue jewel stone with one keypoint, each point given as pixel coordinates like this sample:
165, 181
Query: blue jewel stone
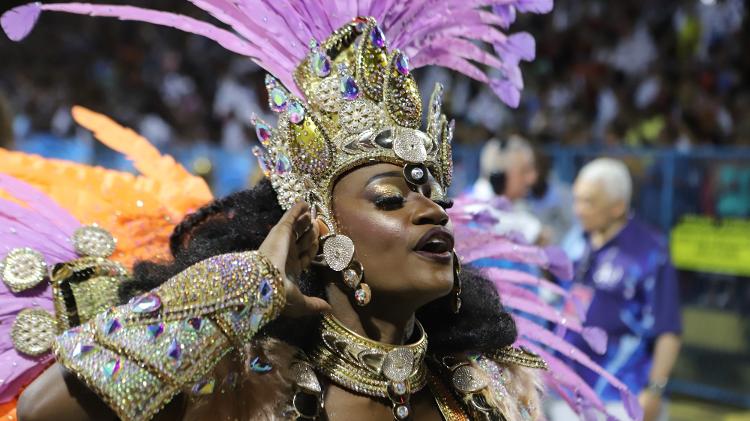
112, 367
377, 38
348, 87
320, 64
283, 165
175, 351
259, 366
155, 330
82, 349
195, 323
112, 326
265, 292
402, 64
256, 318
147, 303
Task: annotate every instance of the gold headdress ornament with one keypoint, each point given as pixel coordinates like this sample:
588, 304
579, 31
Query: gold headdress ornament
362, 106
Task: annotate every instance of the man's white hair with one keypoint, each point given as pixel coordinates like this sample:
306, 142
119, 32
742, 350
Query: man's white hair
495, 156
614, 176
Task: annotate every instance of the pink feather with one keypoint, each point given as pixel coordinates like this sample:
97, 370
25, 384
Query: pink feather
18, 22
275, 34
44, 226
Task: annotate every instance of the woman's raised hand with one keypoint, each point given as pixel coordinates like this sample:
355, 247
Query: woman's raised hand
291, 246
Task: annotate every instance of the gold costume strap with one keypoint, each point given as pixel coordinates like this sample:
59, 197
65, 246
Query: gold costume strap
446, 402
519, 356
138, 356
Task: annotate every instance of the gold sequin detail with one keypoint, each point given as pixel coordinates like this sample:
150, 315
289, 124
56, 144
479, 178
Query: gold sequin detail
93, 241
519, 356
33, 331
23, 268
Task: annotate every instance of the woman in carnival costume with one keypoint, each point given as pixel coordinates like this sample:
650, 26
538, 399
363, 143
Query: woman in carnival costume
310, 296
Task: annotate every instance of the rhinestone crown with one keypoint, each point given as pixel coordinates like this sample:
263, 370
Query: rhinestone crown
362, 105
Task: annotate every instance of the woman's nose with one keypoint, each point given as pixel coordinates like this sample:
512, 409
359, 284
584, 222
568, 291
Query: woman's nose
429, 213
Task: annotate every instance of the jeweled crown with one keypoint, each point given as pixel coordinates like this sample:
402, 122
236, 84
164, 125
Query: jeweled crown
361, 105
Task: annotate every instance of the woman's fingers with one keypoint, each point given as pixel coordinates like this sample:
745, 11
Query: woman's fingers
282, 236
300, 305
291, 245
316, 305
302, 225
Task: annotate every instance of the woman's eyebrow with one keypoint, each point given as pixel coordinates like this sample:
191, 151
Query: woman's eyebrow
389, 174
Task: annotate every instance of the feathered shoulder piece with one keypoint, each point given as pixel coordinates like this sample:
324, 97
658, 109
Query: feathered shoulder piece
69, 234
54, 274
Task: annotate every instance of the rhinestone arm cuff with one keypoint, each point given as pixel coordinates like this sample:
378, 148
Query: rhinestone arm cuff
138, 356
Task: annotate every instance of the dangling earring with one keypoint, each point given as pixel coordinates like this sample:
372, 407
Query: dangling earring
353, 275
456, 291
338, 252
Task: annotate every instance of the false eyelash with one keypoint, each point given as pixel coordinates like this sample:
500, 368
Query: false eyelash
445, 204
389, 202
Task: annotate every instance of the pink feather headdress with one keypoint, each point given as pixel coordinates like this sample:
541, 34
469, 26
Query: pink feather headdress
447, 33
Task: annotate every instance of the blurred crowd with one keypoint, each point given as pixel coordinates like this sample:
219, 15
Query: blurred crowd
669, 73
608, 73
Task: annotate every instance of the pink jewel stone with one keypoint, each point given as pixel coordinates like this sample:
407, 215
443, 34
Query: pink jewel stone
296, 112
263, 131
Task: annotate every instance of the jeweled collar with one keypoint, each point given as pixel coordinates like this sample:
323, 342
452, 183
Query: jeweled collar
369, 367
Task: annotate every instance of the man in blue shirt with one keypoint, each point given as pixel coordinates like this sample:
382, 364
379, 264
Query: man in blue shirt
626, 285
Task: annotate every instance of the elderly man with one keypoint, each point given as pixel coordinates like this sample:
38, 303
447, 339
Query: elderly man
506, 175
627, 286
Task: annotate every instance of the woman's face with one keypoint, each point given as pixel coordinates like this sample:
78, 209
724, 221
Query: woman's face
402, 235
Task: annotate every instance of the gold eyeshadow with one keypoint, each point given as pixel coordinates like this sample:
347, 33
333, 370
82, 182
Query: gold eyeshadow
384, 190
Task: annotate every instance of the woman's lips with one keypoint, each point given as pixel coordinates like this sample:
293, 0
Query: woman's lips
437, 245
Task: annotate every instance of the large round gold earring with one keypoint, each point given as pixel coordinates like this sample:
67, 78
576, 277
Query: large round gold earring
338, 254
456, 291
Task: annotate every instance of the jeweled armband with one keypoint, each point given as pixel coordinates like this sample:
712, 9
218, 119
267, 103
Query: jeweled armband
138, 356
